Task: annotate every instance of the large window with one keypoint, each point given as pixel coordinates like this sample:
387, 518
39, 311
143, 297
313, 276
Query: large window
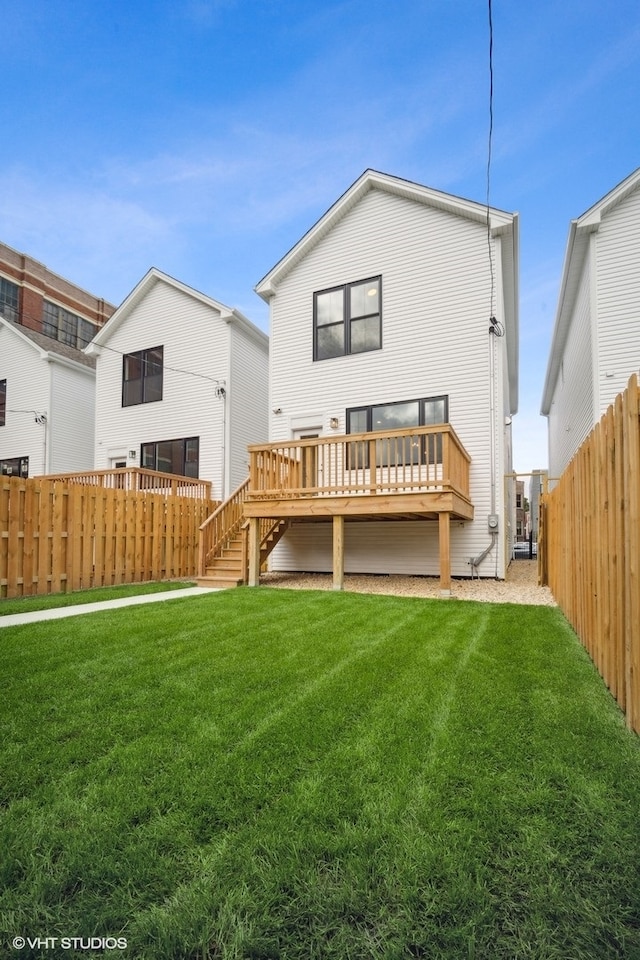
181, 457
347, 319
396, 416
3, 402
15, 467
9, 294
142, 376
65, 326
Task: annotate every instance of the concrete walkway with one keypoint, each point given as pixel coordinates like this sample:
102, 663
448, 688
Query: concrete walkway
57, 613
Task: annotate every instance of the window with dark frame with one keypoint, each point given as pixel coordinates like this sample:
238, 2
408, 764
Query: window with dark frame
180, 457
399, 414
347, 319
15, 467
3, 402
9, 299
65, 326
142, 376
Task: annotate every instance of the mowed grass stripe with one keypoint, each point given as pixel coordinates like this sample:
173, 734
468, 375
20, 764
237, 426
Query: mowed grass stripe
273, 774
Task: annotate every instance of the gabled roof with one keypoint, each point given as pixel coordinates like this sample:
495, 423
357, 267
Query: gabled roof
373, 180
576, 252
501, 224
142, 289
47, 347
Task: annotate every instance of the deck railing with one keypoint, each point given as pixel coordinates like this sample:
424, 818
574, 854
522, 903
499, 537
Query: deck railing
410, 460
223, 524
138, 480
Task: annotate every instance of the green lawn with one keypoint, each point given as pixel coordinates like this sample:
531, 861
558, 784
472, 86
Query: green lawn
309, 775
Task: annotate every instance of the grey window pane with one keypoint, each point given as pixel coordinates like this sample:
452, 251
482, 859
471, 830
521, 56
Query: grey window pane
131, 393
393, 416
357, 421
330, 342
148, 457
365, 299
152, 389
434, 411
365, 335
330, 307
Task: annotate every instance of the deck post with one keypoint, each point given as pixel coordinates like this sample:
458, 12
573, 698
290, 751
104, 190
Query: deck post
254, 551
338, 553
444, 532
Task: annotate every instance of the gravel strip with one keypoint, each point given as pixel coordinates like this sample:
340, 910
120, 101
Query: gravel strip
520, 586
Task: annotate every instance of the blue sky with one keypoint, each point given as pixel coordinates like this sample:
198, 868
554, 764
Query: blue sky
204, 137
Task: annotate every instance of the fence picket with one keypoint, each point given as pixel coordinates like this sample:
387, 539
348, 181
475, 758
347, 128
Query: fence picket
61, 535
591, 547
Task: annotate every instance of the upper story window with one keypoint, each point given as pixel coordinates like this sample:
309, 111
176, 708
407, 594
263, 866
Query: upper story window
9, 299
347, 319
142, 376
65, 326
3, 402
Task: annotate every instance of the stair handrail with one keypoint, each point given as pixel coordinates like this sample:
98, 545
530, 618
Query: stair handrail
221, 525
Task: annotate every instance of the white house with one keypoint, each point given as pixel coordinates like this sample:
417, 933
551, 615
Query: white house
181, 384
46, 404
397, 310
596, 340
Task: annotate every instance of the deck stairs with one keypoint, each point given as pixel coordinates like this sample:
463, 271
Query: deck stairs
223, 543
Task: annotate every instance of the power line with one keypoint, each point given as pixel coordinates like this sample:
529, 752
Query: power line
496, 327
188, 373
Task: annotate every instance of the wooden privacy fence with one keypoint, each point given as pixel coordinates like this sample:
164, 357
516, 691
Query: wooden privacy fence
591, 547
59, 536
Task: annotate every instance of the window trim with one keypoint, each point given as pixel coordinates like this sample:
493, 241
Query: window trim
144, 378
347, 319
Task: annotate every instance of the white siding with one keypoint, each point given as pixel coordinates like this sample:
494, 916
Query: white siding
196, 350
435, 309
618, 300
72, 420
247, 401
571, 412
27, 376
214, 385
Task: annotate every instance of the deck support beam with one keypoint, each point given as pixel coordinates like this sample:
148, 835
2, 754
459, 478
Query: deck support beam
338, 553
444, 535
254, 551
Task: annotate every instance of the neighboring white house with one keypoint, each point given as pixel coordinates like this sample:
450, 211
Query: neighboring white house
380, 318
596, 340
46, 404
181, 384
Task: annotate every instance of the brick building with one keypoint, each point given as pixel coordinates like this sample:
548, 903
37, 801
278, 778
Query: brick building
34, 297
47, 383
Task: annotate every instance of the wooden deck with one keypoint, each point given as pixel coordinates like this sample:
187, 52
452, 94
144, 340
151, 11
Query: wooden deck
408, 474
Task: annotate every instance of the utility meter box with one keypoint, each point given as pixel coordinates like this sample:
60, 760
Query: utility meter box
492, 521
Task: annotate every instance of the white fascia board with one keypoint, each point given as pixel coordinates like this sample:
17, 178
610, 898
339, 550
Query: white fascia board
575, 255
511, 292
238, 319
593, 216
